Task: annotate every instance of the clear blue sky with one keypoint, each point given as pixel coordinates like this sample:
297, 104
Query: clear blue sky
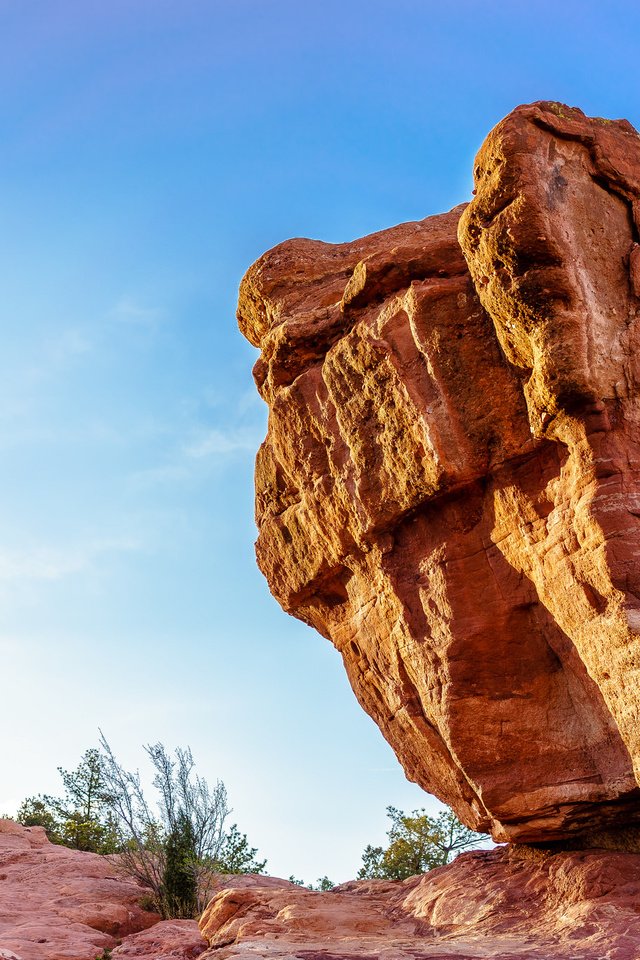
150, 151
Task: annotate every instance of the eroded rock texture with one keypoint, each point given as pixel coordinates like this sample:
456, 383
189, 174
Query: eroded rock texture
450, 489
487, 904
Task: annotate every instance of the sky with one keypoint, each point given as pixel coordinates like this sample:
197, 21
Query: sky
150, 151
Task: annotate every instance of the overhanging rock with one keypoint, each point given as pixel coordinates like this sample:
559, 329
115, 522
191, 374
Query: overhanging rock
450, 485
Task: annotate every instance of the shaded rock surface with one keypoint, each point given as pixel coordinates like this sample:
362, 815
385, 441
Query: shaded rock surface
167, 940
449, 489
506, 904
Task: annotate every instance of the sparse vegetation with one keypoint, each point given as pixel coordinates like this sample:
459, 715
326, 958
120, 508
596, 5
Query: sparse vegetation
236, 856
174, 849
417, 843
178, 848
83, 817
322, 884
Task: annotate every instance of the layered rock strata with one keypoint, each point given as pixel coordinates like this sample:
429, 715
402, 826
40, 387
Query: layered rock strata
450, 485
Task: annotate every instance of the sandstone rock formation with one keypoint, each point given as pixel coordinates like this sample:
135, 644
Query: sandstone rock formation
499, 904
450, 485
61, 904
510, 903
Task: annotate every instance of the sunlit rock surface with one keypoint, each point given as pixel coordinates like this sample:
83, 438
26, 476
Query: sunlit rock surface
449, 489
167, 940
503, 904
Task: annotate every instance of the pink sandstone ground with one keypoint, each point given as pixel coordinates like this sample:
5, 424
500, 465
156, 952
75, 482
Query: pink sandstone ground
503, 904
61, 904
511, 903
449, 489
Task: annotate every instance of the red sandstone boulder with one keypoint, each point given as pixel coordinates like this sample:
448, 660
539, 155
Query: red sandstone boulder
551, 241
450, 490
167, 940
62, 904
503, 904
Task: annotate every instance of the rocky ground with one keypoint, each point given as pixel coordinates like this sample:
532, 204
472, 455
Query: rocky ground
510, 903
507, 904
61, 904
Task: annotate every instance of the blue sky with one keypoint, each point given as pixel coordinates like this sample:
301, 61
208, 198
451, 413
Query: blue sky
149, 152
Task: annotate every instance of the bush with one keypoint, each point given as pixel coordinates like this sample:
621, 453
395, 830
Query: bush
236, 856
323, 884
35, 812
177, 850
179, 894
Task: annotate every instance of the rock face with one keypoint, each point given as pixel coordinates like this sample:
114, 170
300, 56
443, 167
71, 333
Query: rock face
495, 904
61, 904
450, 485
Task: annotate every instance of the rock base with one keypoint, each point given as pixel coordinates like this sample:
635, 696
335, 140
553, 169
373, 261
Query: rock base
509, 903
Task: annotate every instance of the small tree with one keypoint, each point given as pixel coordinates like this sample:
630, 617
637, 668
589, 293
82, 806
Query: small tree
236, 856
451, 837
323, 884
82, 818
176, 849
35, 812
417, 843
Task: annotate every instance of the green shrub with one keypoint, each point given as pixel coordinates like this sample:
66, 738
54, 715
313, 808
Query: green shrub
179, 890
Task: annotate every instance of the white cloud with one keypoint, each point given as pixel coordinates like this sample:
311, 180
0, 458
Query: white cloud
127, 310
220, 442
9, 646
72, 342
169, 473
53, 563
196, 455
251, 401
56, 356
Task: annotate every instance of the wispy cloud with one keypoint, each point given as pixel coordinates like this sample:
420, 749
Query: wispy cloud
216, 442
193, 458
54, 356
128, 310
10, 645
166, 474
55, 563
72, 343
250, 402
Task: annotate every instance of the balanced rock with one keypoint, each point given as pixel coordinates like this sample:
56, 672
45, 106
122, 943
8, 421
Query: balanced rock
450, 485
